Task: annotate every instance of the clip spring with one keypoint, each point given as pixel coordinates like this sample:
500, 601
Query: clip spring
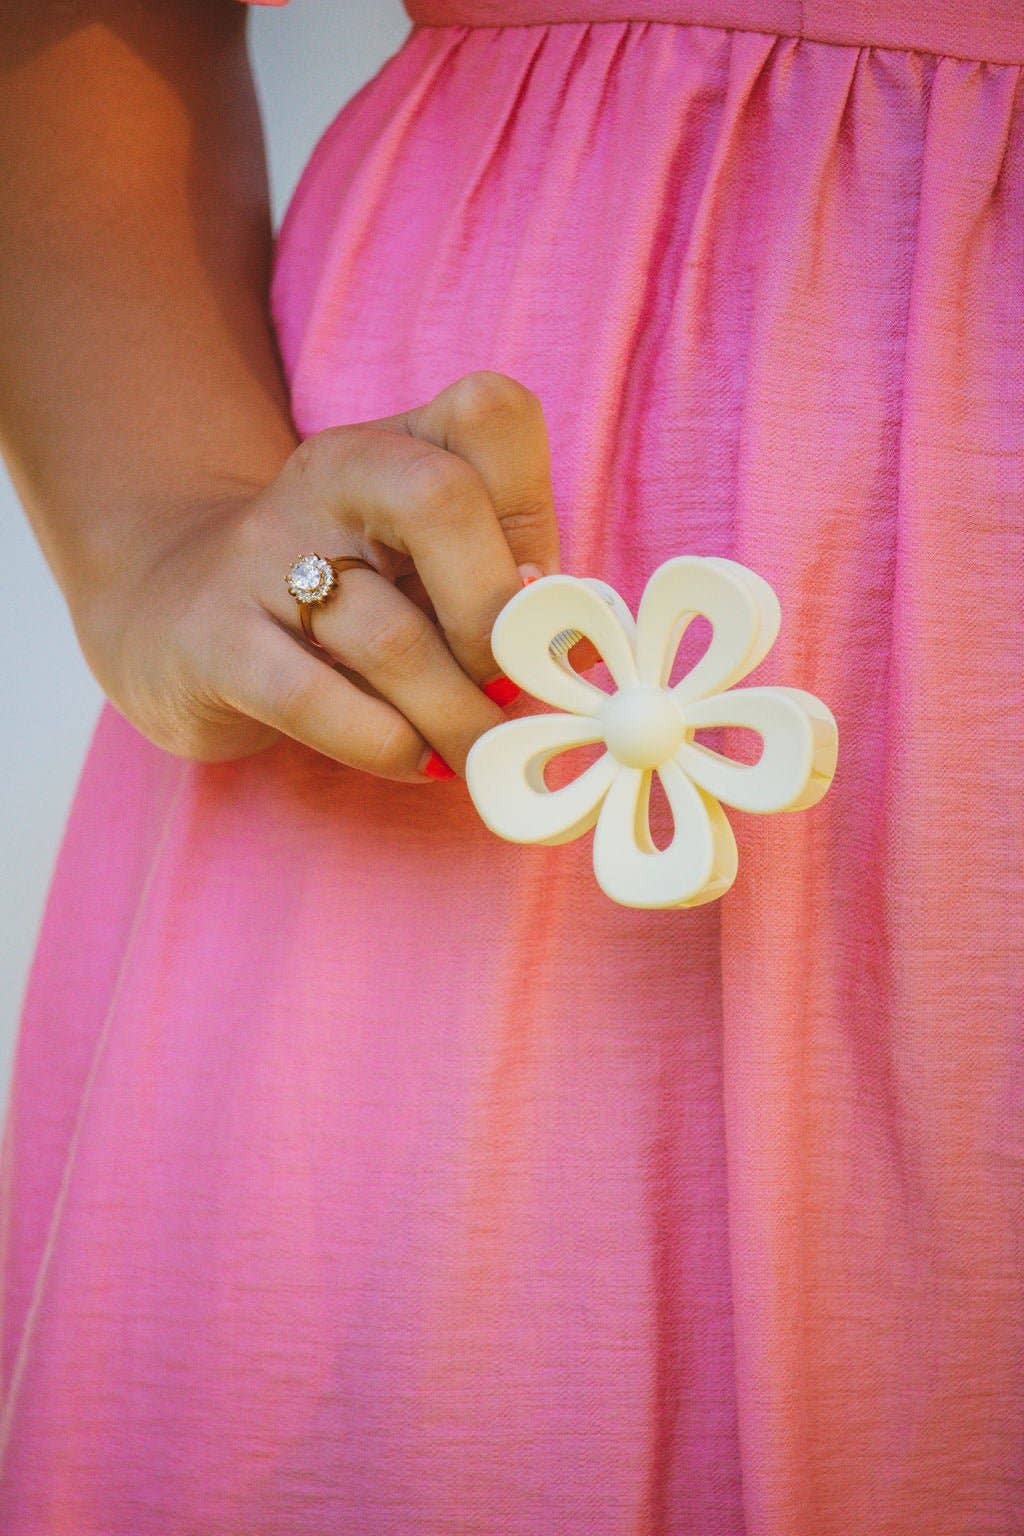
561, 644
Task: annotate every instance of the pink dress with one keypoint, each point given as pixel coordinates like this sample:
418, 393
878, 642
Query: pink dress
419, 1189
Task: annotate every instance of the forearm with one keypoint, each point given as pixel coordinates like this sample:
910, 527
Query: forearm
138, 371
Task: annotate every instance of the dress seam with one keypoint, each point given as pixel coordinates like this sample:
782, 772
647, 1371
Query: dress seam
709, 26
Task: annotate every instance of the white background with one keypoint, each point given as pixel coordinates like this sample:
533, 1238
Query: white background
309, 57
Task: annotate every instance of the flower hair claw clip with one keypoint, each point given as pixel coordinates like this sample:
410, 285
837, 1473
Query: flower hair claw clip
648, 727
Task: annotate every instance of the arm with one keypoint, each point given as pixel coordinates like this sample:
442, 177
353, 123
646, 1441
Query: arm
145, 420
138, 370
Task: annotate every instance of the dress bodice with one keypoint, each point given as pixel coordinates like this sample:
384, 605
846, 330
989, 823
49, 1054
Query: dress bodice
992, 30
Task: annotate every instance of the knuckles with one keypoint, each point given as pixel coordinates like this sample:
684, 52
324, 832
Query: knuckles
392, 641
388, 753
319, 458
484, 395
439, 487
291, 700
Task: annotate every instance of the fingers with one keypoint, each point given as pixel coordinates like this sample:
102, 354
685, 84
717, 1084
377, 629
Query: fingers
447, 500
412, 585
466, 529
384, 490
497, 425
285, 686
378, 632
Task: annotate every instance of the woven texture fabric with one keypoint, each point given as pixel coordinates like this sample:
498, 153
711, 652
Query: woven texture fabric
416, 1187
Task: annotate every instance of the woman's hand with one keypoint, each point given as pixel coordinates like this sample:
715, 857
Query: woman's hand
144, 416
200, 645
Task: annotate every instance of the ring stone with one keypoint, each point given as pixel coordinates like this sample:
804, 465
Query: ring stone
310, 579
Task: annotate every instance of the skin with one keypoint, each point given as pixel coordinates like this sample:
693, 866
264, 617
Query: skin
144, 418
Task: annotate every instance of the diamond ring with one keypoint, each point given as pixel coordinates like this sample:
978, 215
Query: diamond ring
311, 579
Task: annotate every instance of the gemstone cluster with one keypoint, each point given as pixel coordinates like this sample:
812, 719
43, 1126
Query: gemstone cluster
310, 579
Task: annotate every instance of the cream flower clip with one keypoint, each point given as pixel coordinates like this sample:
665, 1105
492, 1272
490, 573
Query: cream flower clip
648, 727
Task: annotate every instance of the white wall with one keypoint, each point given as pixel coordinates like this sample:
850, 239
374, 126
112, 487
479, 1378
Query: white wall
309, 58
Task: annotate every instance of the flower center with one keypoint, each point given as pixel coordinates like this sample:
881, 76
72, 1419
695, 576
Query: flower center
642, 726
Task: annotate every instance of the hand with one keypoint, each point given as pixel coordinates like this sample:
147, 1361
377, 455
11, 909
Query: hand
451, 502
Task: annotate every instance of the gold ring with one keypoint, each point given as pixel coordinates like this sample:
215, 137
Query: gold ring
311, 579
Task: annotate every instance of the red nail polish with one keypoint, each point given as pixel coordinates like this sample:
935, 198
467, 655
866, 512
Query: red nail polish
501, 689
436, 768
528, 579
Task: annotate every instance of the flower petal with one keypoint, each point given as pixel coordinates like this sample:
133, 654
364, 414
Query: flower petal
616, 603
505, 778
768, 606
698, 864
741, 607
799, 756
530, 620
725, 857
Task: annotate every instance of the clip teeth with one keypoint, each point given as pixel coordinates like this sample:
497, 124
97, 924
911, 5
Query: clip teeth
561, 644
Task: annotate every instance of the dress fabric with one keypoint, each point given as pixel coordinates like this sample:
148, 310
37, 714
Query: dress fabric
365, 1173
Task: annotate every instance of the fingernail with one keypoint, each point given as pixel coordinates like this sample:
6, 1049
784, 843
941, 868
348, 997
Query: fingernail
435, 767
530, 573
501, 689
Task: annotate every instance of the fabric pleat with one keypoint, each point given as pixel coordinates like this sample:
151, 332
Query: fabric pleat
418, 1187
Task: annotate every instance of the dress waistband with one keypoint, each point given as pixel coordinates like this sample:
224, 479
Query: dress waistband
988, 30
